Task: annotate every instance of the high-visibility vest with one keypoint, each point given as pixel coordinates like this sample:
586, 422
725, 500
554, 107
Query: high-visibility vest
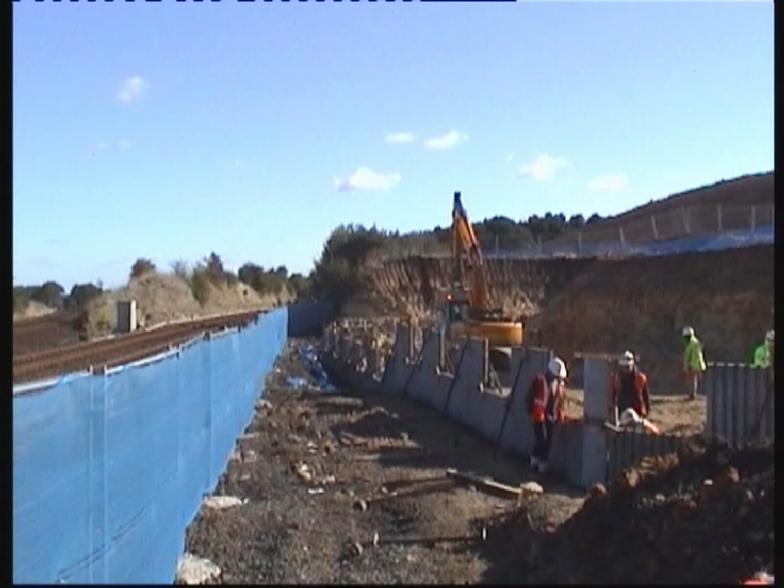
539, 395
640, 380
763, 358
693, 360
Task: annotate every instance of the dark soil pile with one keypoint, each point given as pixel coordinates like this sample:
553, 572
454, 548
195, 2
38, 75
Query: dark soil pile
702, 516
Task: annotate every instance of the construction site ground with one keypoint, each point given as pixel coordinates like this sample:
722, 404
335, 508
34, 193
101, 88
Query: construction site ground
375, 469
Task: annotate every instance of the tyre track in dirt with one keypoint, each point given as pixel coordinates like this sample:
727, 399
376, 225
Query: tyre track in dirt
375, 467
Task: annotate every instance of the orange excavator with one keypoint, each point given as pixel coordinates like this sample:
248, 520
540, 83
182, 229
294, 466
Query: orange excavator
467, 311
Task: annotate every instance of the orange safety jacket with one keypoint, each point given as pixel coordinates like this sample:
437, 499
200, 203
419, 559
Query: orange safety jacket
639, 388
539, 396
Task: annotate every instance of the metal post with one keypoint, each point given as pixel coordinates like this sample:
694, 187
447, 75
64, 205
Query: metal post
622, 238
655, 229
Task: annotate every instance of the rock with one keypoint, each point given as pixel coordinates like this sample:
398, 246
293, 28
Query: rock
361, 505
727, 475
195, 570
384, 490
375, 539
357, 548
630, 479
222, 502
597, 490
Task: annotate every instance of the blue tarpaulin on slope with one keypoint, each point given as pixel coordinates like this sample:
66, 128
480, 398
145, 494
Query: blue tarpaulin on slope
108, 471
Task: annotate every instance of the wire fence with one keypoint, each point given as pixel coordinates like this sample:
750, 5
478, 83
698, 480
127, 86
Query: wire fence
677, 230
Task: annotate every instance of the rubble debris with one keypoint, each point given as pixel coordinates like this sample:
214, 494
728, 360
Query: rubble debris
222, 502
296, 382
195, 570
315, 491
701, 530
361, 505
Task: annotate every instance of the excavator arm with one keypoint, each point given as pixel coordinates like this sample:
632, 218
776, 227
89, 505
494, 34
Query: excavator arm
465, 245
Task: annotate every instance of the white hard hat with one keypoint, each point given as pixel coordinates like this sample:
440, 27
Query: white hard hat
769, 335
557, 367
627, 358
688, 332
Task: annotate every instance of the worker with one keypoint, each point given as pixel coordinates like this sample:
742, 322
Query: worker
545, 407
693, 361
629, 388
763, 355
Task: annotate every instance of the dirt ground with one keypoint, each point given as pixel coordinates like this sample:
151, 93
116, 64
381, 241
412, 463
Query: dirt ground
672, 414
375, 468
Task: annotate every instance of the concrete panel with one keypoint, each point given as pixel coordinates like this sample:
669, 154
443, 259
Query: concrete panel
398, 369
468, 376
517, 434
596, 376
484, 412
426, 385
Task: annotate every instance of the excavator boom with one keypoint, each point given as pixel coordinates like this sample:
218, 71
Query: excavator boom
479, 320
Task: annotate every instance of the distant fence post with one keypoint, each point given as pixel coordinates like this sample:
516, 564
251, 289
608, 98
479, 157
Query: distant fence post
685, 217
655, 229
753, 218
718, 217
622, 238
579, 242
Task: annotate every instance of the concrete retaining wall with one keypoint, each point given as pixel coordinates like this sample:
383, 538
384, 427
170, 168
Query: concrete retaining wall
580, 451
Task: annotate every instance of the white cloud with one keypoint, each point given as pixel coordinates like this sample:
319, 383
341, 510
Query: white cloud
609, 183
366, 179
132, 89
400, 137
542, 168
448, 141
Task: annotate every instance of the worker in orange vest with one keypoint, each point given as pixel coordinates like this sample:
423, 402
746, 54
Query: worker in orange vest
545, 407
629, 388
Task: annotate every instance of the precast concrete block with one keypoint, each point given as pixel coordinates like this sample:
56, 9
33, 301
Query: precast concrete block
517, 433
596, 398
484, 412
468, 377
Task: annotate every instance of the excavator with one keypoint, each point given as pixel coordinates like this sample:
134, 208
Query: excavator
466, 310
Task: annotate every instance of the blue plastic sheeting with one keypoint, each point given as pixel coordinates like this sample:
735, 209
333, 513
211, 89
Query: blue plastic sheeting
110, 470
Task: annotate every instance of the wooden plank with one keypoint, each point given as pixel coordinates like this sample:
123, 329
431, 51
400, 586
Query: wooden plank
487, 484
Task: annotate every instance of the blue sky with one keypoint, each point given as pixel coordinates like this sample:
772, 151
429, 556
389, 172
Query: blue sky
171, 130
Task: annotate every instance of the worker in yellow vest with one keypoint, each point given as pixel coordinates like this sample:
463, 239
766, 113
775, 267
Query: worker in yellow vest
763, 355
693, 361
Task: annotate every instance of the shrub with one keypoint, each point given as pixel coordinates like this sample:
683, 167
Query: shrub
142, 266
200, 286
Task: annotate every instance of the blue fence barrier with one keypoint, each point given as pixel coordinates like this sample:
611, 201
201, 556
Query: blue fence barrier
108, 471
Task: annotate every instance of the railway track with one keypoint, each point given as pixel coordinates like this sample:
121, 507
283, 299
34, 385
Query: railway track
51, 330
118, 350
